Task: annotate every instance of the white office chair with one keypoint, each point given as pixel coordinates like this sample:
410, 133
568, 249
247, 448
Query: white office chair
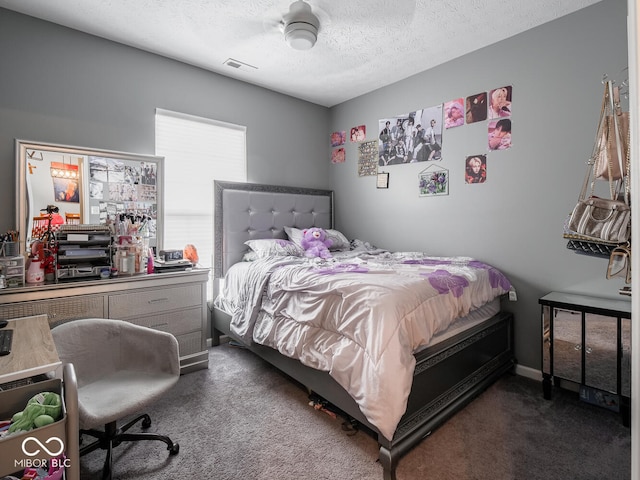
121, 368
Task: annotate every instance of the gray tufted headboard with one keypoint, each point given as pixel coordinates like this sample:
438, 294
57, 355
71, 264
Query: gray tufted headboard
246, 211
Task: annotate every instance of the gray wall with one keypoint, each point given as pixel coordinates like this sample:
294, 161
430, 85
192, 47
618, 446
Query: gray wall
513, 221
62, 86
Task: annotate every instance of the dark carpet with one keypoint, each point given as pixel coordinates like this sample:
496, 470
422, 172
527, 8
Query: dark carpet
241, 419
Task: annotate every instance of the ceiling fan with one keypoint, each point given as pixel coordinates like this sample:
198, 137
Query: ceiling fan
299, 26
338, 21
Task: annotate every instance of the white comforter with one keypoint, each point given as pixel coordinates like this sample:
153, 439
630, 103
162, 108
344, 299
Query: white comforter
359, 316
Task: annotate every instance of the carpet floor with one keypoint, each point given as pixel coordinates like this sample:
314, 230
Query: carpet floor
242, 419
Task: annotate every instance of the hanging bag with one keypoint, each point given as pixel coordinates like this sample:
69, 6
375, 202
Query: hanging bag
604, 220
620, 263
613, 132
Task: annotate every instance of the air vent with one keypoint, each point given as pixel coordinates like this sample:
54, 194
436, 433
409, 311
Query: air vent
238, 65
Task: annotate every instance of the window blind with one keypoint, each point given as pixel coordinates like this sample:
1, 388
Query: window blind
196, 152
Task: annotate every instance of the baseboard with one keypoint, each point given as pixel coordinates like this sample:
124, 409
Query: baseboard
529, 372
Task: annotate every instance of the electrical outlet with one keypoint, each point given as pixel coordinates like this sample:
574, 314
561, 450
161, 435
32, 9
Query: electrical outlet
513, 297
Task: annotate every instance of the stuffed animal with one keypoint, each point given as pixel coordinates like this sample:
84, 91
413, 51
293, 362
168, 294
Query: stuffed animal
315, 243
42, 409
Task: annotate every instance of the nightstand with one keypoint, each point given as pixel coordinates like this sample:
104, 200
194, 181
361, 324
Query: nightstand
586, 347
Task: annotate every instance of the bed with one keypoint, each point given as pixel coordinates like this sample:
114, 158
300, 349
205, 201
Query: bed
428, 368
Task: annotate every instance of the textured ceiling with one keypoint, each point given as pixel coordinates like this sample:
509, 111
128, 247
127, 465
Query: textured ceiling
362, 44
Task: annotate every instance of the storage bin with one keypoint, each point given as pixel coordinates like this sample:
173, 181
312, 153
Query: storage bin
10, 249
44, 443
13, 270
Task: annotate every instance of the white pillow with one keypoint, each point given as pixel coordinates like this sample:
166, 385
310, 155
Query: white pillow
338, 240
294, 234
268, 247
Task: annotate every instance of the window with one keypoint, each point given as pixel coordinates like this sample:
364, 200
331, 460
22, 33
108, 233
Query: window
197, 151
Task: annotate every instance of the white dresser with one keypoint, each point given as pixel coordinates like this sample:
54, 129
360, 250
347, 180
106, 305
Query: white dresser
175, 302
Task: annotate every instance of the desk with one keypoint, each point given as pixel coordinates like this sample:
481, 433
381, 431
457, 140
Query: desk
32, 351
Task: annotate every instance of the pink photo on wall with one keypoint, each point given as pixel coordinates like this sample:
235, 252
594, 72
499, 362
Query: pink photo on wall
500, 102
358, 134
454, 113
338, 138
500, 134
337, 155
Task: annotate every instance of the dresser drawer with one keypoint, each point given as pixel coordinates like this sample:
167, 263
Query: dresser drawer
177, 323
145, 302
58, 310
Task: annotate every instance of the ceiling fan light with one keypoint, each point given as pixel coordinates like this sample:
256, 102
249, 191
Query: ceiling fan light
300, 26
300, 35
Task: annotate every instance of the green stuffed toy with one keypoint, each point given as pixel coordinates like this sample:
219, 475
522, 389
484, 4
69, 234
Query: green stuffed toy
42, 409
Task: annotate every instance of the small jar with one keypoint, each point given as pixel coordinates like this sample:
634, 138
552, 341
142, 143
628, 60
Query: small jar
123, 265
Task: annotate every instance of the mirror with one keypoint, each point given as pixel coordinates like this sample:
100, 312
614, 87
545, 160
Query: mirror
88, 186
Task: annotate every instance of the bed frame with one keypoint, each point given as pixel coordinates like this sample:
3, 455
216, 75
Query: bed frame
447, 375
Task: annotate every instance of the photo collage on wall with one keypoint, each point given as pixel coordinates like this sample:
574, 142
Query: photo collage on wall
495, 107
417, 136
123, 187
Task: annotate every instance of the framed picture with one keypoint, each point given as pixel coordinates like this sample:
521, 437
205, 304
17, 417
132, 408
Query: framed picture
433, 181
66, 190
383, 180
